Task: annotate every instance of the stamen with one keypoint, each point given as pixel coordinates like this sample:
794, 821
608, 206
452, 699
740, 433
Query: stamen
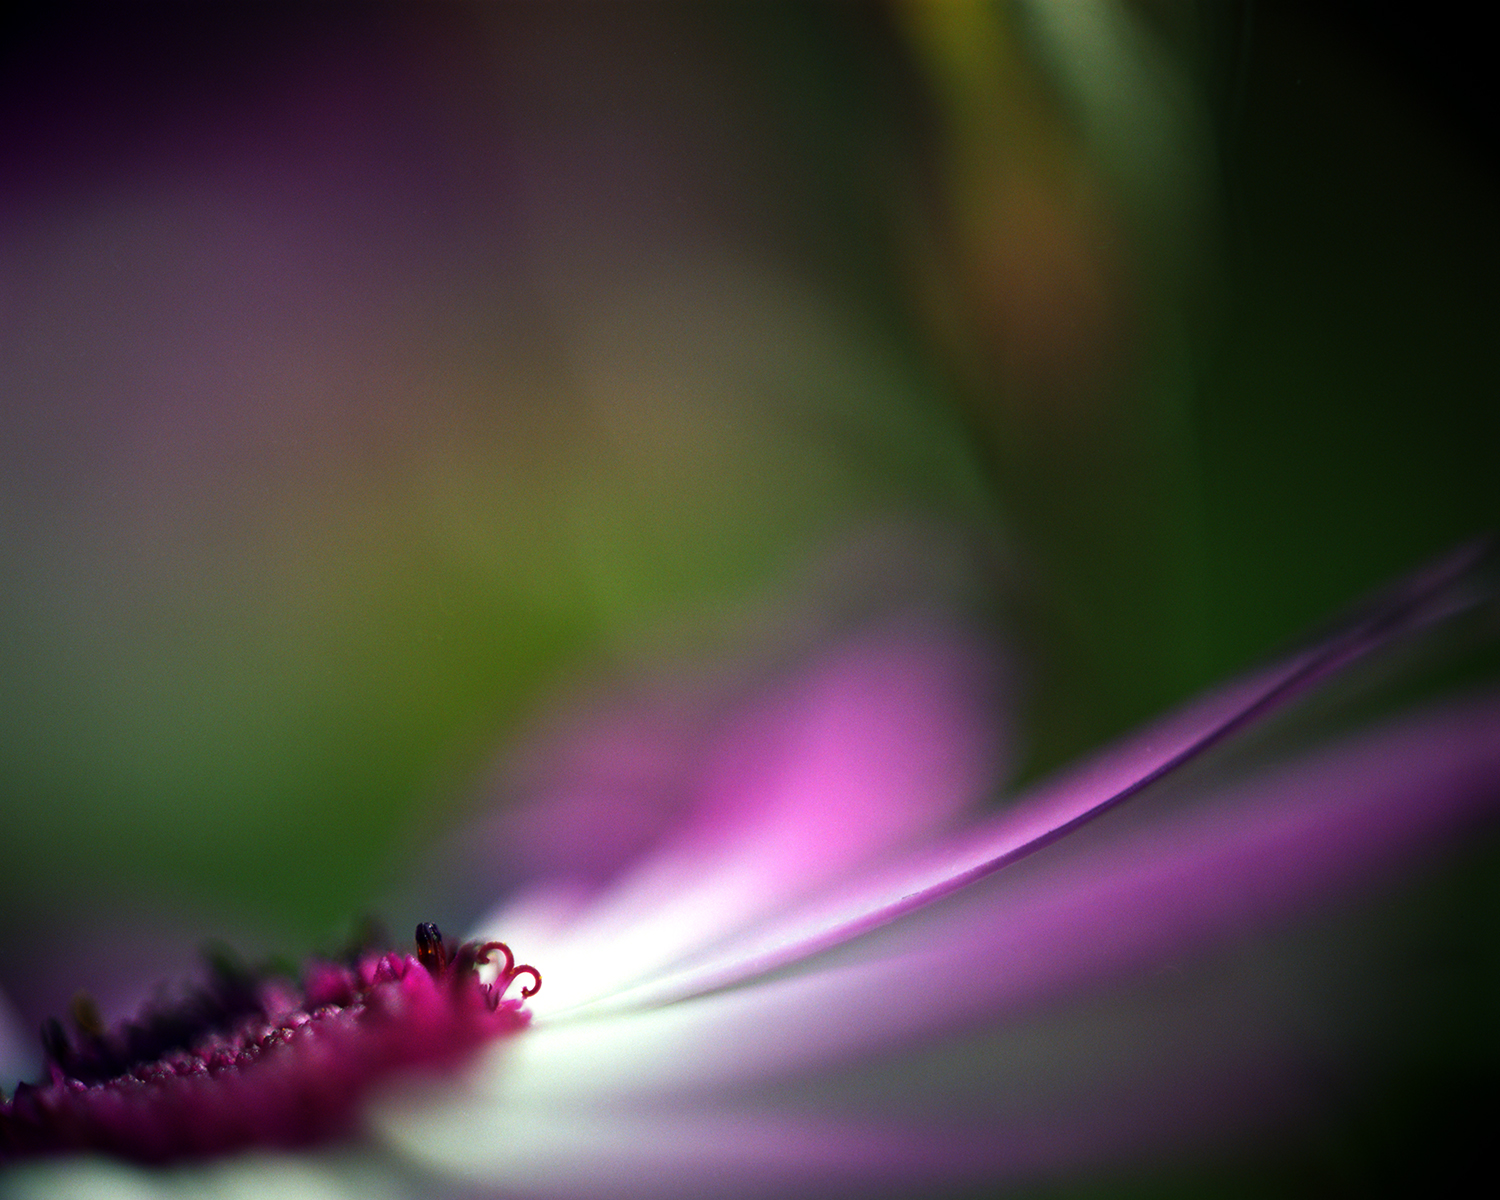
526, 992
483, 956
508, 973
431, 952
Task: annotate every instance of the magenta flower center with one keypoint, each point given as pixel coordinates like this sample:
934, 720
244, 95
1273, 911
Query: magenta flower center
250, 1059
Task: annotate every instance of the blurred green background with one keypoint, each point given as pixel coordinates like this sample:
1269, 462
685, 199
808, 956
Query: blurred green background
370, 372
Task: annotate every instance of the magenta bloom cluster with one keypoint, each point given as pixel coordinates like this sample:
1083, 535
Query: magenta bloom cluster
254, 1059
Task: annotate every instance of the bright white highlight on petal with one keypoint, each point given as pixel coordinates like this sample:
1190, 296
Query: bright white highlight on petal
881, 744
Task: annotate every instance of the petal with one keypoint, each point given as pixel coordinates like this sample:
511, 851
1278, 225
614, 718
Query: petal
656, 1090
754, 1152
881, 743
1048, 813
1272, 846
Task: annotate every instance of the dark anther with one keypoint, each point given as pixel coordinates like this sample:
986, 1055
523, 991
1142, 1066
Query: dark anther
431, 952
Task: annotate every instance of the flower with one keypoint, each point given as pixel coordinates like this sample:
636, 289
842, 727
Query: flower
816, 975
252, 1060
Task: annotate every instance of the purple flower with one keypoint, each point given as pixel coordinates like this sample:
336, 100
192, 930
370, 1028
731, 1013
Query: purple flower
784, 954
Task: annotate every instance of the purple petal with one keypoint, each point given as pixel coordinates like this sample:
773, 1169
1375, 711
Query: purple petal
1061, 806
1267, 848
659, 1095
